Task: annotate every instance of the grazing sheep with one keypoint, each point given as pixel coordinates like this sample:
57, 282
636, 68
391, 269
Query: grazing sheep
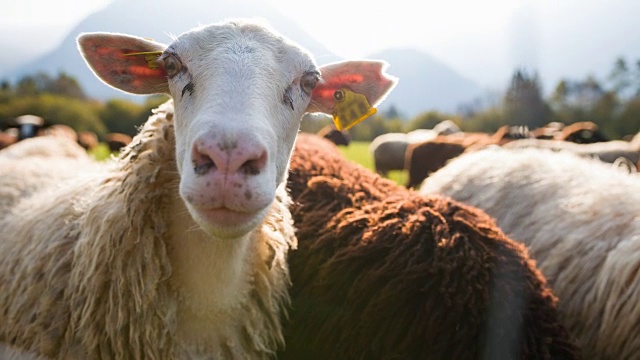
28, 126
548, 131
384, 273
45, 146
584, 132
177, 248
607, 151
8, 137
423, 158
388, 150
580, 218
116, 141
88, 140
33, 164
59, 130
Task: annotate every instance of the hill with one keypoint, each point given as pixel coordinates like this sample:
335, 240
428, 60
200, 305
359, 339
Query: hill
158, 20
425, 83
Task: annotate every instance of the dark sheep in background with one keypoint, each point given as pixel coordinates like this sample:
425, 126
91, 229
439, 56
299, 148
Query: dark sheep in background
334, 135
421, 159
117, 141
28, 126
88, 139
584, 132
384, 273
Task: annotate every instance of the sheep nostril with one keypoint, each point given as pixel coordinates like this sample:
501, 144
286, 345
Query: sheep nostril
203, 166
254, 166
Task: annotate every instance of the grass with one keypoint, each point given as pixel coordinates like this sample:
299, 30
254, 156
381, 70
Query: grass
358, 151
101, 152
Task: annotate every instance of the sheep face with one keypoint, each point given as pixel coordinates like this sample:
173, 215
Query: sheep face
239, 92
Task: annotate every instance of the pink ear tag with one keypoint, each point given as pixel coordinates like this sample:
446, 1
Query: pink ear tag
350, 108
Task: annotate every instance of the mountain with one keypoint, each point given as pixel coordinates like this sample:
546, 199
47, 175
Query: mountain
425, 83
158, 20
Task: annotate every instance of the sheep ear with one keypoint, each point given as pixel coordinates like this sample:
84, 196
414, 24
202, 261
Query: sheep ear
125, 62
364, 77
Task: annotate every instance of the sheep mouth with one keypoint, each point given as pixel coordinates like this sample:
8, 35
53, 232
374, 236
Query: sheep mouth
226, 216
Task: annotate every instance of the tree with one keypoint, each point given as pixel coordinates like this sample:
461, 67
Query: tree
427, 120
65, 85
122, 116
55, 109
523, 102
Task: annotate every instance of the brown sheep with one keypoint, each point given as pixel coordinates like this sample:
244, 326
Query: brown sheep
87, 139
8, 138
384, 273
584, 132
117, 141
421, 159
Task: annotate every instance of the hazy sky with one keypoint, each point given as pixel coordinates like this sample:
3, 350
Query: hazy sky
484, 40
347, 27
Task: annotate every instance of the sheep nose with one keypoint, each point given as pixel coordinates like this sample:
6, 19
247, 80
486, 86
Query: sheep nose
228, 157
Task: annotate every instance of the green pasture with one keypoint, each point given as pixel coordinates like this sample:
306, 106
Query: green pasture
358, 151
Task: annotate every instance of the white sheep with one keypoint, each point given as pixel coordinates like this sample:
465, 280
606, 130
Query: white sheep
580, 217
177, 248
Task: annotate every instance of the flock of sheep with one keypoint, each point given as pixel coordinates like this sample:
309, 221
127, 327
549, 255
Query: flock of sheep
221, 232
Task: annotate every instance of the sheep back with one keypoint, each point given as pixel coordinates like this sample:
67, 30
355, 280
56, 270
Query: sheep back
384, 273
579, 218
84, 274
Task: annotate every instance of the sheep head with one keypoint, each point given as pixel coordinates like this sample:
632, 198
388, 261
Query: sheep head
239, 92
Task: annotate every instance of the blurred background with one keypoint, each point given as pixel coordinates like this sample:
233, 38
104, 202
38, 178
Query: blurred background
481, 64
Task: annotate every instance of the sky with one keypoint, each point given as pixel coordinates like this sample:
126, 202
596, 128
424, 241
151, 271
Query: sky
346, 27
353, 29
475, 38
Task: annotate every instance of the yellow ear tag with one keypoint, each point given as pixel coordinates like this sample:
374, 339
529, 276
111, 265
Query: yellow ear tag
149, 56
350, 109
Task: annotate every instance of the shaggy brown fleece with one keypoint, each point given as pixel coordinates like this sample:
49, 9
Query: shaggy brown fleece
382, 272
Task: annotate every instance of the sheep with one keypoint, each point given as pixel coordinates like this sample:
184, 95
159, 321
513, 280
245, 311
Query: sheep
548, 131
30, 166
382, 272
583, 132
44, 146
388, 150
88, 139
116, 141
607, 151
176, 248
8, 137
59, 130
580, 218
29, 125
423, 158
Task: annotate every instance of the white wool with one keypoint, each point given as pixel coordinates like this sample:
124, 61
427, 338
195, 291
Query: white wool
580, 219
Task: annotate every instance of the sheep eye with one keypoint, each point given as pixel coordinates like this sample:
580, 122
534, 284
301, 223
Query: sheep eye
172, 65
308, 82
